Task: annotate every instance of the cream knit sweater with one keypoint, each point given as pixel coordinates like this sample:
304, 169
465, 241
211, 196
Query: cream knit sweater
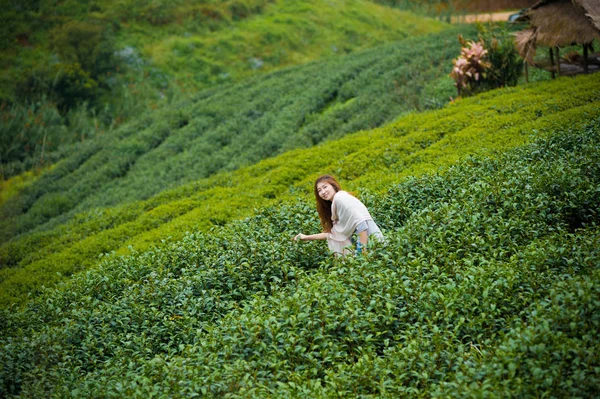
347, 212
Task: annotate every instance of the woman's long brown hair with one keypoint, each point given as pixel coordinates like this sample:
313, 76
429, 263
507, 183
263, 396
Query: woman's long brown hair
323, 206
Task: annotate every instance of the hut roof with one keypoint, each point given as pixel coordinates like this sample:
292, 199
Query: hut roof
563, 22
559, 23
592, 10
590, 6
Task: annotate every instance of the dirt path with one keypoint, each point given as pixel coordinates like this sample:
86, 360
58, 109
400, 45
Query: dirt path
472, 18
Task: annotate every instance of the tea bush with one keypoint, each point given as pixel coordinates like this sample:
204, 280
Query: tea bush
413, 145
484, 286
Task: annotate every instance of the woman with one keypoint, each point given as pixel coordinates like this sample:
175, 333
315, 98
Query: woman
342, 215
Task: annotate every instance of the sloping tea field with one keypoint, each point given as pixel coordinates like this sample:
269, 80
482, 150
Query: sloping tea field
223, 129
194, 44
281, 33
154, 258
371, 159
76, 70
235, 126
488, 283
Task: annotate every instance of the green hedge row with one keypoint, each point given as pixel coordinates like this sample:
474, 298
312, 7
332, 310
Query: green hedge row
488, 284
234, 126
413, 145
125, 62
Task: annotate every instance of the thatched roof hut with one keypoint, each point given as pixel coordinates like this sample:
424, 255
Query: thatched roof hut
491, 5
557, 23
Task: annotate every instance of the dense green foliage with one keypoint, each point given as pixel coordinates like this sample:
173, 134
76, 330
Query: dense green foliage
152, 256
85, 32
412, 145
74, 70
238, 125
439, 8
488, 283
506, 64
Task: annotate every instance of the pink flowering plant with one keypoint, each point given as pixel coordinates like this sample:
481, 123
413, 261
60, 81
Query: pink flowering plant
490, 62
471, 67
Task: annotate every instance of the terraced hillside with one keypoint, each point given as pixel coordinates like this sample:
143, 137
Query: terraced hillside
373, 159
76, 70
222, 129
193, 44
235, 126
487, 284
153, 257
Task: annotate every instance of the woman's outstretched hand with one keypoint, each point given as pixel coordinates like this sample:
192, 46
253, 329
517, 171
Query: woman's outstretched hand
299, 237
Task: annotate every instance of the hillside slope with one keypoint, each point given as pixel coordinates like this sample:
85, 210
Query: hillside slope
488, 284
194, 44
373, 159
289, 32
73, 71
237, 125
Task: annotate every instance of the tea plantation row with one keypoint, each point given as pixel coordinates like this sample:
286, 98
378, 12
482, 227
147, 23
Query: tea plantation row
374, 159
233, 126
134, 56
488, 285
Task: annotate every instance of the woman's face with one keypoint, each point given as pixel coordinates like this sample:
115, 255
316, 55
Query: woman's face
325, 190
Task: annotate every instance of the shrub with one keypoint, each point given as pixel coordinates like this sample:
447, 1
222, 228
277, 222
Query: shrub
85, 54
470, 68
89, 44
39, 130
489, 63
506, 64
